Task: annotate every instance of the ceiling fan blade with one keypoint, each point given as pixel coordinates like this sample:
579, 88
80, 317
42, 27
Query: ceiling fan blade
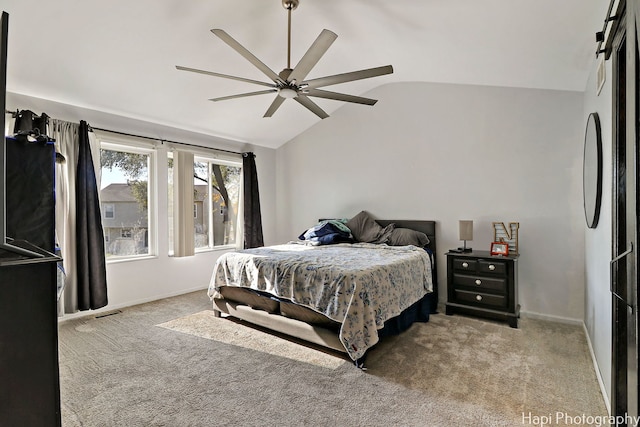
274, 106
246, 54
348, 77
226, 76
339, 96
242, 95
312, 106
313, 55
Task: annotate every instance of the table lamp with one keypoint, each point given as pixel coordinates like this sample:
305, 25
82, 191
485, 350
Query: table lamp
466, 233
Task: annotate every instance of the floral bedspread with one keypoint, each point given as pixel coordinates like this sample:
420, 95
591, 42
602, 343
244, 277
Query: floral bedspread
360, 285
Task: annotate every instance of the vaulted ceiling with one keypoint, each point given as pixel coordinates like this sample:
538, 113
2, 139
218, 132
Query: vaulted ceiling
119, 56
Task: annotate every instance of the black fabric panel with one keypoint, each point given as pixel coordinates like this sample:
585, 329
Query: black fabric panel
252, 218
30, 199
92, 274
418, 312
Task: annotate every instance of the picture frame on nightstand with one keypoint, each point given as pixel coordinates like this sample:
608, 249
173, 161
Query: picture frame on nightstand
499, 248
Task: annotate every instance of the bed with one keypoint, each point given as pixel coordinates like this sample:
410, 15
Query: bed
344, 296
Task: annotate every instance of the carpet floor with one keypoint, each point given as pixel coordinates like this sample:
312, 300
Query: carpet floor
172, 363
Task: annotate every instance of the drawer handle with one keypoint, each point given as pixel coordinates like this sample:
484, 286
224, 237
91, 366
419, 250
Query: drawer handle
478, 282
465, 264
492, 267
479, 297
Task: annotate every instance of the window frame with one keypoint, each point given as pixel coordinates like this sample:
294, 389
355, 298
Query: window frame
204, 155
198, 156
136, 146
113, 210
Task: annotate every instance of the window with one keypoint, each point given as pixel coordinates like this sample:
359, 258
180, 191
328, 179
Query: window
216, 190
108, 209
125, 187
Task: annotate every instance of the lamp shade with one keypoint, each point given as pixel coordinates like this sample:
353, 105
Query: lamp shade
466, 229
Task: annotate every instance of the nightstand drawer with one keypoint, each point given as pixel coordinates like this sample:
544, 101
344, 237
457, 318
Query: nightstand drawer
464, 264
481, 283
492, 267
481, 299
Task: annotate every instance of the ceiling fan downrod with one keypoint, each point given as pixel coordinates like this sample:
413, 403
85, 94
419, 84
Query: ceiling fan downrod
290, 5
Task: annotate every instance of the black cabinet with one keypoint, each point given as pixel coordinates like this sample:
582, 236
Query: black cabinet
483, 285
29, 373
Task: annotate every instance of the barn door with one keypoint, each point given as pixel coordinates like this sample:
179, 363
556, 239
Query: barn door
624, 280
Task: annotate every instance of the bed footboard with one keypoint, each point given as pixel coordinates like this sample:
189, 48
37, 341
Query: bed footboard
295, 328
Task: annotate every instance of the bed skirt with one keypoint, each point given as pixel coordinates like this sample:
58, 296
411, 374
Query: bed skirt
418, 312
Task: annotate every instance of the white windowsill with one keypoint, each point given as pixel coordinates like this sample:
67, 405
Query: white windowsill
224, 248
117, 260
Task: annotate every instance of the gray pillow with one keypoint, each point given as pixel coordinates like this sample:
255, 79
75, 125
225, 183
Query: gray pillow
407, 236
365, 229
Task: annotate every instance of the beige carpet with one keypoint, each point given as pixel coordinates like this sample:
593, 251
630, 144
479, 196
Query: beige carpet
171, 363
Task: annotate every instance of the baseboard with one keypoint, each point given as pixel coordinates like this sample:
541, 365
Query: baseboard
603, 389
108, 308
559, 319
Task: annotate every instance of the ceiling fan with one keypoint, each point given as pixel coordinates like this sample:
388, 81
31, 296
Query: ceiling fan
290, 82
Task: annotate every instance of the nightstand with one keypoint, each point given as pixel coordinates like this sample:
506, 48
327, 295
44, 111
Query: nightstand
483, 285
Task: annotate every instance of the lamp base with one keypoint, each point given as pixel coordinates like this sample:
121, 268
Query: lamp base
465, 249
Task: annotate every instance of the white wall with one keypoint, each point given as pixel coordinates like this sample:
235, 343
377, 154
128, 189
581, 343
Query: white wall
449, 152
133, 282
597, 316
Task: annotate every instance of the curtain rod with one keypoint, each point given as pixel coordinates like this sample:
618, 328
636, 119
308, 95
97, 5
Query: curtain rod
148, 137
165, 140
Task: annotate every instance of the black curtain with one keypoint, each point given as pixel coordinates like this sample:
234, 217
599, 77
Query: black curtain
92, 274
252, 217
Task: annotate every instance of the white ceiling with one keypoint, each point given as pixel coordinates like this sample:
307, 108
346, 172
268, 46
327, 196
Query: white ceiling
119, 56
